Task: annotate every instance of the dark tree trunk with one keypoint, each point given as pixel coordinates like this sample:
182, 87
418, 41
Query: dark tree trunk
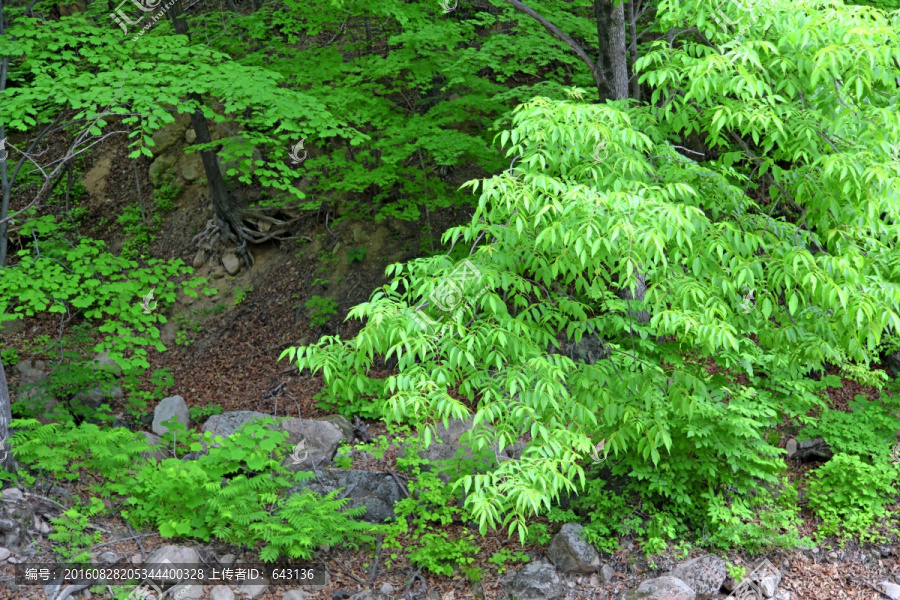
228, 211
6, 459
632, 15
612, 65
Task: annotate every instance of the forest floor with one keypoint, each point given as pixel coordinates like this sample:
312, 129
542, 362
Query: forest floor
228, 357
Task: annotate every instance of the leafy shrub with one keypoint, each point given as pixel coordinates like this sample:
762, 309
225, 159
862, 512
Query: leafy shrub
323, 309
850, 495
70, 542
441, 555
356, 255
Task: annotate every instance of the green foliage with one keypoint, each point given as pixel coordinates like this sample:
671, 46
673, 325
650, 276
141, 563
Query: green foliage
137, 234
70, 542
441, 555
235, 491
794, 195
198, 413
503, 556
86, 280
850, 495
240, 294
865, 431
736, 572
165, 193
322, 310
356, 255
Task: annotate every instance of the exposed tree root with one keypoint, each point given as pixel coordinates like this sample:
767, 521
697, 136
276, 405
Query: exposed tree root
255, 226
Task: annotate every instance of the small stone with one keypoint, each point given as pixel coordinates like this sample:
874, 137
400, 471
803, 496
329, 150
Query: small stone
291, 595
218, 272
190, 173
190, 136
4, 554
222, 592
769, 585
109, 557
227, 559
890, 589
571, 585
791, 447
595, 581
137, 559
173, 406
231, 263
200, 258
12, 495
783, 595
387, 589
87, 595
607, 573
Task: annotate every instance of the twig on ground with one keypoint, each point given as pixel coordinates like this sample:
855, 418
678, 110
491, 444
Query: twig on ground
399, 481
374, 570
134, 537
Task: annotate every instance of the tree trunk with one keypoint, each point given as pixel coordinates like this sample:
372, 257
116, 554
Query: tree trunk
6, 459
612, 65
227, 210
634, 87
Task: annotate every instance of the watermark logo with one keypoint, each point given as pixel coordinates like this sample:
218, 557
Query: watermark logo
450, 296
145, 591
596, 459
4, 153
120, 18
753, 586
445, 5
725, 22
145, 303
295, 153
747, 304
296, 457
895, 454
600, 152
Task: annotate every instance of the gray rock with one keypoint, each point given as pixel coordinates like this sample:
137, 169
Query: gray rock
378, 492
293, 595
109, 558
4, 554
173, 406
571, 553
607, 573
891, 589
12, 327
704, 574
231, 263
661, 588
387, 589
190, 136
537, 581
769, 585
12, 495
892, 363
176, 555
165, 138
159, 166
227, 559
189, 172
227, 423
97, 396
105, 363
320, 441
783, 595
160, 453
809, 450
223, 592
254, 589
791, 448
343, 424
200, 258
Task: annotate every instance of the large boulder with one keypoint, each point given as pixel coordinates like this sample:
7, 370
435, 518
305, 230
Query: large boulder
809, 450
315, 443
661, 588
96, 396
343, 424
158, 452
571, 553
704, 575
378, 492
170, 134
225, 424
537, 581
173, 406
103, 362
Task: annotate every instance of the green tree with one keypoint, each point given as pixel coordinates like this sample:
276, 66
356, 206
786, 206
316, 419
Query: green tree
769, 246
